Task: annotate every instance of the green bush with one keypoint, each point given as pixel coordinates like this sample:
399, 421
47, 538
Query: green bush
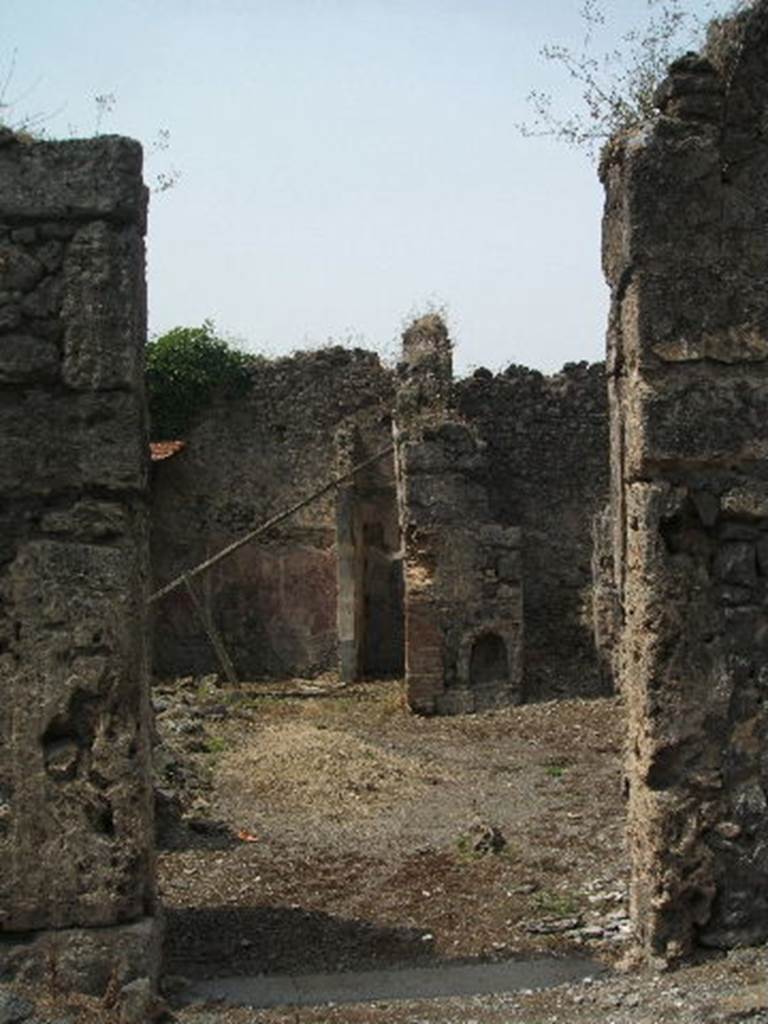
185, 368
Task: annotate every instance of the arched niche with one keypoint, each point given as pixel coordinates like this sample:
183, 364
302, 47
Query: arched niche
488, 660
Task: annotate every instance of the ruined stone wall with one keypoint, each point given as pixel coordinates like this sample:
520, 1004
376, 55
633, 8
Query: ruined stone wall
547, 455
274, 601
288, 603
686, 253
463, 580
76, 848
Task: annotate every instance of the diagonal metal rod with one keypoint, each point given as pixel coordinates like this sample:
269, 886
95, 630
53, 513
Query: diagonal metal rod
287, 513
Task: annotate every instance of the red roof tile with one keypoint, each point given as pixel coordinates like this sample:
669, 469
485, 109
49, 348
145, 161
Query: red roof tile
159, 450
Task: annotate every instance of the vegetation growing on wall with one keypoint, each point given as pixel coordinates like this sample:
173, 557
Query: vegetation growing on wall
35, 125
618, 84
186, 367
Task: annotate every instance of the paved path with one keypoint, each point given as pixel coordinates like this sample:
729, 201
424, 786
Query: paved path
265, 991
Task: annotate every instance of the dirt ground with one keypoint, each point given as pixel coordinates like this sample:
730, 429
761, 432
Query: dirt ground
325, 828
307, 827
372, 831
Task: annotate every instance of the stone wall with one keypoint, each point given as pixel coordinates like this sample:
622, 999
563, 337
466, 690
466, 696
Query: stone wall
275, 600
76, 849
686, 253
463, 586
321, 584
546, 443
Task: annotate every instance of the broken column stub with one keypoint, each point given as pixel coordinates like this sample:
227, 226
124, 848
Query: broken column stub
686, 254
76, 850
463, 589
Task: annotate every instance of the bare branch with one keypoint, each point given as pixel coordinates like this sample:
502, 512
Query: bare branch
617, 85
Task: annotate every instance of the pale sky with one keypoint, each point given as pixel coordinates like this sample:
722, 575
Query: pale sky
344, 164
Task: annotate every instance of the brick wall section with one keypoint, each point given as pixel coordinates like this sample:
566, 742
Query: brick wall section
76, 846
275, 601
546, 444
686, 253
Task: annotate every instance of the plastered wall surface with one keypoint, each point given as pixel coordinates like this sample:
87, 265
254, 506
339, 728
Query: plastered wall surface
274, 601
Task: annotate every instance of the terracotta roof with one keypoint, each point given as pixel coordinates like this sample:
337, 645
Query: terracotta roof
159, 450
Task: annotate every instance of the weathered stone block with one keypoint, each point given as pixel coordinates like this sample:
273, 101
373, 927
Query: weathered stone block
19, 271
44, 302
77, 850
444, 498
736, 562
84, 959
458, 700
70, 441
103, 307
74, 180
686, 420
748, 500
432, 457
644, 218
509, 567
662, 318
10, 316
24, 358
88, 519
693, 90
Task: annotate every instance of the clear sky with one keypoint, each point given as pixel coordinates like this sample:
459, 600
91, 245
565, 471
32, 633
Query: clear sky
345, 164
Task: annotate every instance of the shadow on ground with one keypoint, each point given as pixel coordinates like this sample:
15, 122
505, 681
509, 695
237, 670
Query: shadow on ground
206, 941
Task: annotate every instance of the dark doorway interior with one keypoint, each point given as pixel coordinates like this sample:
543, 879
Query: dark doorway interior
383, 641
371, 620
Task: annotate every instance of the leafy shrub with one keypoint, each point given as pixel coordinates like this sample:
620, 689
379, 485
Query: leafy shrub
185, 368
